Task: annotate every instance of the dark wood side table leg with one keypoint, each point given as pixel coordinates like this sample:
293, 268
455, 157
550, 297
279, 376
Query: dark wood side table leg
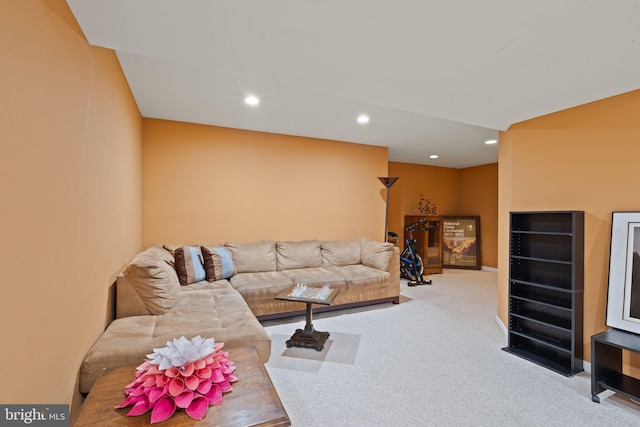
308, 337
606, 360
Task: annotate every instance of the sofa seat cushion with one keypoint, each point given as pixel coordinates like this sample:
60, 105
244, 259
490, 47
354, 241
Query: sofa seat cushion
216, 314
221, 314
253, 257
303, 254
260, 286
361, 276
316, 276
125, 342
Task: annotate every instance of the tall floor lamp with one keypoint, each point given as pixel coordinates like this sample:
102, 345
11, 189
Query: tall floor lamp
387, 181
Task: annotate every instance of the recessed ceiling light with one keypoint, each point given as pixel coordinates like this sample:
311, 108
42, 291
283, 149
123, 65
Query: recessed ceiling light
491, 141
433, 156
363, 118
252, 100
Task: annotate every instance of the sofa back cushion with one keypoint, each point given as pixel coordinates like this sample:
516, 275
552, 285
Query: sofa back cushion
253, 257
303, 254
154, 279
172, 250
376, 254
341, 252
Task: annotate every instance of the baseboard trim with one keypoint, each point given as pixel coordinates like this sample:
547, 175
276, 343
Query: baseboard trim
501, 325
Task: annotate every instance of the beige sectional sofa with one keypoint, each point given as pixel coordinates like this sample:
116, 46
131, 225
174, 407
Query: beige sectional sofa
152, 307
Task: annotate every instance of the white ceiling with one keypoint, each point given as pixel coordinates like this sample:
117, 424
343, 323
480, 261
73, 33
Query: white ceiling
436, 77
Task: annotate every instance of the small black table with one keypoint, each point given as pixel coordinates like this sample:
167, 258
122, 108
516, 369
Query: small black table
308, 337
606, 364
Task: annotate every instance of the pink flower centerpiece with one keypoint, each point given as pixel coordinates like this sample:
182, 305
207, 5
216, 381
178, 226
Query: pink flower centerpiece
189, 374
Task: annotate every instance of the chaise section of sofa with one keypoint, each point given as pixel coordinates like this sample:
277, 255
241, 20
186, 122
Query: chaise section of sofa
153, 308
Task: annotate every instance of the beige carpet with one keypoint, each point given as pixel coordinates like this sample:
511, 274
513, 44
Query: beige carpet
433, 360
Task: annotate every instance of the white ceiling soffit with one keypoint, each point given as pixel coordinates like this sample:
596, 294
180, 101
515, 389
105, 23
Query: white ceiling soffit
435, 77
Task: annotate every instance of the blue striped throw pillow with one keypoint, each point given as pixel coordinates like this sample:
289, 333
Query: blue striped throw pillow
189, 265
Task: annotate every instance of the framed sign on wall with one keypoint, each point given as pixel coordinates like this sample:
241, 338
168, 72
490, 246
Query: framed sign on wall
461, 242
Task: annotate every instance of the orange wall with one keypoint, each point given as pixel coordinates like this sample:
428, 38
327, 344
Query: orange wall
470, 191
479, 196
70, 162
211, 184
578, 159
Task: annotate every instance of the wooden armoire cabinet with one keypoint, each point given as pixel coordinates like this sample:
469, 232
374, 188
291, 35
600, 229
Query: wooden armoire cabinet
428, 242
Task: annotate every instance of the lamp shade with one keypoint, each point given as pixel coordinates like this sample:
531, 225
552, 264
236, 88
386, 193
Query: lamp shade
388, 181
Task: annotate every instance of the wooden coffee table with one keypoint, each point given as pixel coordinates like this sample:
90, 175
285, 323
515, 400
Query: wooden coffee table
308, 337
252, 402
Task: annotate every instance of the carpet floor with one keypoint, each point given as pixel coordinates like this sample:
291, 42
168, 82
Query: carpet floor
435, 359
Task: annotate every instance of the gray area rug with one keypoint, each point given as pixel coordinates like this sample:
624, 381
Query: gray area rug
433, 360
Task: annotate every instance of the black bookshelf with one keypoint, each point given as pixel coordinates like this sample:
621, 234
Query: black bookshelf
546, 279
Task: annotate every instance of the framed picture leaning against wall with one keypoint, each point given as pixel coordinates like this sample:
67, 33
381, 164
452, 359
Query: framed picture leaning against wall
623, 302
461, 242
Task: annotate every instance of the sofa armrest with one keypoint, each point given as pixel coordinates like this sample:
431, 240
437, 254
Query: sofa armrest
128, 302
394, 274
394, 263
